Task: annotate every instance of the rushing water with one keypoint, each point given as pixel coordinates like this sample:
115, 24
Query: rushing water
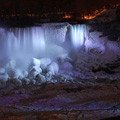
39, 41
55, 46
78, 35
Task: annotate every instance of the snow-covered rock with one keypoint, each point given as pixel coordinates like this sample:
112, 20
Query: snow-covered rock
16, 81
63, 58
4, 78
41, 79
15, 73
25, 73
67, 66
35, 62
44, 62
53, 68
114, 47
2, 70
33, 82
65, 77
11, 64
95, 42
34, 71
26, 81
49, 76
55, 33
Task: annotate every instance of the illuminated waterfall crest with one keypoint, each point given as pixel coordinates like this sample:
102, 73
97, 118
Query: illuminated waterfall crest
78, 36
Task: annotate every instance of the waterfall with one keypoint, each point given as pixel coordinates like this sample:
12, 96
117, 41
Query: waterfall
45, 40
78, 35
59, 43
24, 41
29, 40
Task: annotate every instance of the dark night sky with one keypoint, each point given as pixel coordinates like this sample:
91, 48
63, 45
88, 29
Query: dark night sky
53, 5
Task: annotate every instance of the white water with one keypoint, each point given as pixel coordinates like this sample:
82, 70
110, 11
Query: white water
39, 41
51, 40
54, 43
22, 41
78, 36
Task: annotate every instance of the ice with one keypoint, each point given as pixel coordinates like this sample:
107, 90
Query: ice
53, 68
41, 79
54, 50
63, 58
59, 32
34, 71
4, 78
2, 70
44, 62
15, 74
33, 82
67, 66
35, 62
25, 73
26, 81
16, 81
35, 55
11, 64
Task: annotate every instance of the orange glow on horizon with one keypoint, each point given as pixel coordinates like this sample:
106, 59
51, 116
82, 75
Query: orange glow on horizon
67, 16
88, 17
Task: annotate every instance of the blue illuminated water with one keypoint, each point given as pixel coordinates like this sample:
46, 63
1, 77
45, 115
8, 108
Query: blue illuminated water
78, 35
40, 41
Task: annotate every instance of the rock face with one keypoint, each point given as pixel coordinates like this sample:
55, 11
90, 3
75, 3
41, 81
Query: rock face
108, 23
108, 16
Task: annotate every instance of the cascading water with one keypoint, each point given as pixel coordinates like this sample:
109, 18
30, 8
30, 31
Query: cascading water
36, 41
24, 41
52, 45
32, 41
78, 36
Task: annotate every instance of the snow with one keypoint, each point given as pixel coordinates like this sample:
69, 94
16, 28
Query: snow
63, 58
34, 71
2, 70
44, 63
41, 79
35, 62
72, 51
4, 78
53, 68
11, 64
67, 66
27, 81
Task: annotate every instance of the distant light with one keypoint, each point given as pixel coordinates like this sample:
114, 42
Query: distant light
67, 16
